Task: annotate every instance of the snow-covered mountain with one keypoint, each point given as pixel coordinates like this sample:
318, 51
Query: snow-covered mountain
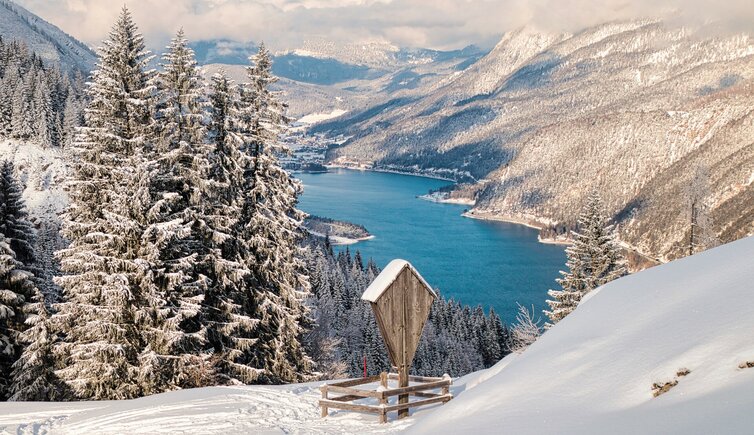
627, 108
328, 63
686, 324
49, 42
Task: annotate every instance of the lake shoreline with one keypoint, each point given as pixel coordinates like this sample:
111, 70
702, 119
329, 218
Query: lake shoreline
538, 225
339, 232
340, 241
390, 171
465, 260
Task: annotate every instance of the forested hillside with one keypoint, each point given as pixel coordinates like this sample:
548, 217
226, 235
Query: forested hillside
456, 340
164, 249
49, 42
38, 103
630, 109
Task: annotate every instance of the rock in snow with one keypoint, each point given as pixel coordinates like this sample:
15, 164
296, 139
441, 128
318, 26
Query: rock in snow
591, 373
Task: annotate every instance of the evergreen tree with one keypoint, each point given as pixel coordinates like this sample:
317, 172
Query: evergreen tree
16, 290
22, 116
175, 241
104, 223
7, 86
225, 313
44, 117
14, 222
72, 119
33, 373
594, 259
269, 227
697, 212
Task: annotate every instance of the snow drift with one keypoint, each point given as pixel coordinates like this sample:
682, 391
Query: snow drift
594, 371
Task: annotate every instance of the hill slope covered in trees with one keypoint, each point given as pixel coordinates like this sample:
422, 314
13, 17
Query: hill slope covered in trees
49, 42
630, 109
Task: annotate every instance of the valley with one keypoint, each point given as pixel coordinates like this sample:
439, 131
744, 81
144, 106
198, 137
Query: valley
629, 109
463, 217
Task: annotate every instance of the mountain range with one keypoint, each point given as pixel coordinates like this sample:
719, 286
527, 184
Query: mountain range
629, 109
327, 63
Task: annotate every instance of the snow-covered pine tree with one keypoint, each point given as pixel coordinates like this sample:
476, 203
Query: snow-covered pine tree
16, 290
98, 354
7, 86
270, 229
44, 117
697, 214
594, 259
225, 313
603, 258
14, 221
573, 288
22, 116
176, 240
33, 373
72, 119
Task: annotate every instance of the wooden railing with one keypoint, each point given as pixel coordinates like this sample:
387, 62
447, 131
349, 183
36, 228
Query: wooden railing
350, 394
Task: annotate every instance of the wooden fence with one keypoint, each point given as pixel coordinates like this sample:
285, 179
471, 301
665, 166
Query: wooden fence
421, 390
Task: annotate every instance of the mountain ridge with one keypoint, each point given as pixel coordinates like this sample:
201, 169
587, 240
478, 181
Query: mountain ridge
544, 118
50, 43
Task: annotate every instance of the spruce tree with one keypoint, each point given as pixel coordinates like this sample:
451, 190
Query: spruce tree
45, 130
33, 373
104, 223
23, 113
14, 221
17, 289
270, 229
72, 119
7, 86
594, 259
176, 239
225, 313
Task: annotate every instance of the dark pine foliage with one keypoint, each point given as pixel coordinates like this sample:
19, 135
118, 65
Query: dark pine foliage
456, 340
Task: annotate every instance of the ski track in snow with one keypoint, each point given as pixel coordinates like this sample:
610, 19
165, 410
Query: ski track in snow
288, 409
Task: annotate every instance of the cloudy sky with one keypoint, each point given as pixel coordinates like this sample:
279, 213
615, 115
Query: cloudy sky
441, 24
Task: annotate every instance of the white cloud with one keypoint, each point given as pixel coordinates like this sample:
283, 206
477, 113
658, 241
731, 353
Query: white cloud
427, 23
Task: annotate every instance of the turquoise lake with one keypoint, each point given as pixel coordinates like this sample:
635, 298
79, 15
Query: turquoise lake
494, 264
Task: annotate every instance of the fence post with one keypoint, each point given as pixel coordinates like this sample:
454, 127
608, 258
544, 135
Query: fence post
323, 390
383, 399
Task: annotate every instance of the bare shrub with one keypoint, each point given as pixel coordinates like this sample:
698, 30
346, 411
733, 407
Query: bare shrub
525, 331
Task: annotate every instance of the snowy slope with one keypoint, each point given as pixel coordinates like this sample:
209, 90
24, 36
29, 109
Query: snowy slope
43, 172
52, 44
214, 410
593, 372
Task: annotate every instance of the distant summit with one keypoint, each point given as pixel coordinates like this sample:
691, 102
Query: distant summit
327, 63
